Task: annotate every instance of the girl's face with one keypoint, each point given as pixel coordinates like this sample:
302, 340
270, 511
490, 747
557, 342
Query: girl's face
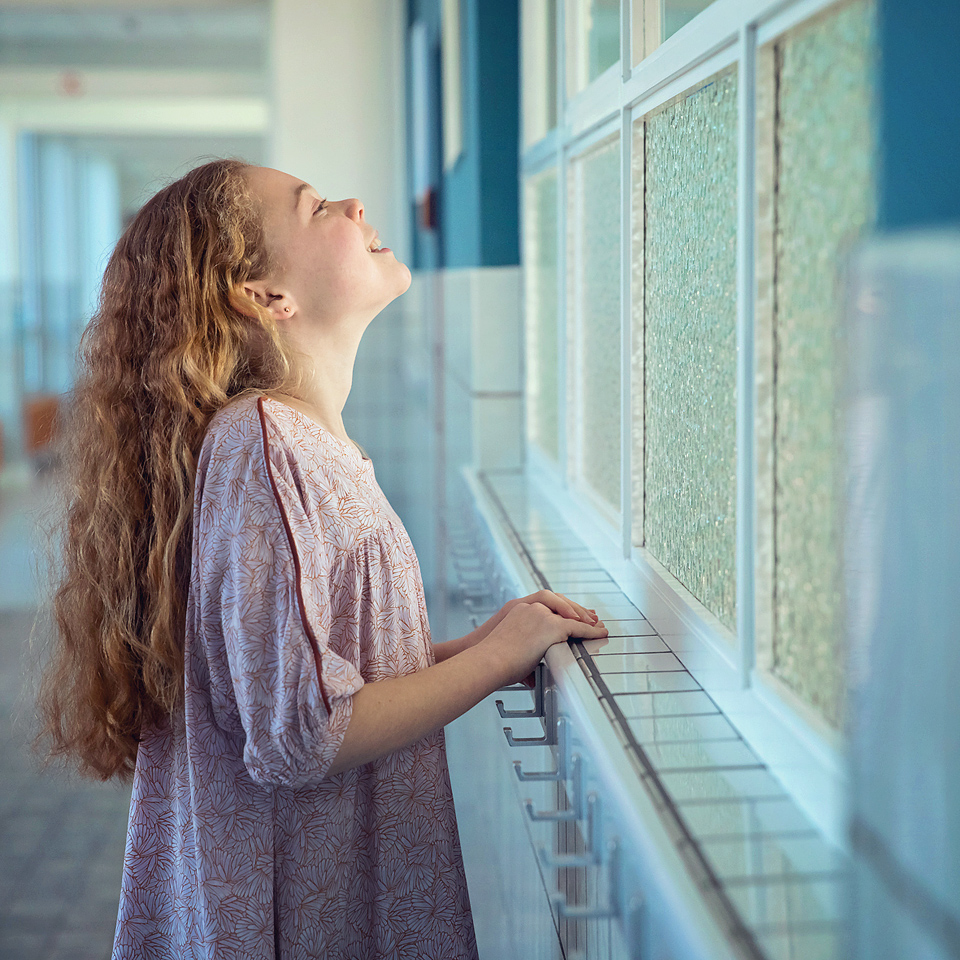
327, 266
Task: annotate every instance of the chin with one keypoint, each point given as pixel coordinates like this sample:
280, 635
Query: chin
404, 279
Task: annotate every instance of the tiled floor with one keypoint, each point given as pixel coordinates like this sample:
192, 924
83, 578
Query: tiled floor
61, 839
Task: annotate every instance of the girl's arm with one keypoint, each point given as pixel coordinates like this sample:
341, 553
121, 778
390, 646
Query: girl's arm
391, 714
556, 602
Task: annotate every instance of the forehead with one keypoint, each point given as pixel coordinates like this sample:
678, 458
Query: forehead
277, 191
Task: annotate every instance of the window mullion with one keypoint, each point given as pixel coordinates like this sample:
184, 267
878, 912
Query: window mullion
626, 335
563, 419
746, 374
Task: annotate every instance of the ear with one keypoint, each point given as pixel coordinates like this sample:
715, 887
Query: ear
278, 303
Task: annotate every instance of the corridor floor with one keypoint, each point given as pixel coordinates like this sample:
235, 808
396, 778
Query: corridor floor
61, 839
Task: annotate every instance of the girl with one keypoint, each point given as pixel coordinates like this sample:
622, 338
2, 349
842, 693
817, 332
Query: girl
241, 618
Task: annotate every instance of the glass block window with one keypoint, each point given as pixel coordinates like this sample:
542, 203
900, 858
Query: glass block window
593, 40
594, 306
824, 197
689, 341
538, 39
815, 196
540, 291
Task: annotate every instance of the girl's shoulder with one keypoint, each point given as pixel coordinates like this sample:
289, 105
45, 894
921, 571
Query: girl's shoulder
236, 429
259, 427
253, 419
234, 416
251, 446
258, 450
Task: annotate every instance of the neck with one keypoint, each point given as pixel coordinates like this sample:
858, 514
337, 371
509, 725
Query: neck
325, 376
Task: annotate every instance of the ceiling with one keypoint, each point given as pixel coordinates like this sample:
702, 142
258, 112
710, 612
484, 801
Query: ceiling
145, 163
207, 35
125, 5
154, 40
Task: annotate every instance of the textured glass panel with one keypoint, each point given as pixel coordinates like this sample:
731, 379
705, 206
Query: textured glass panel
593, 40
690, 342
825, 197
539, 50
540, 282
597, 347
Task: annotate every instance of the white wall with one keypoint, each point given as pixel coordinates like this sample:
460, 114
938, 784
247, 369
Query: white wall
337, 79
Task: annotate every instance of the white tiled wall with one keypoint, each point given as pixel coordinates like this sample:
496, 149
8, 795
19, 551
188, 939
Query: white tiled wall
482, 349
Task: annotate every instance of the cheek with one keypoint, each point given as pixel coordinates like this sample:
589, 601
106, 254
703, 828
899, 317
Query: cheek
323, 270
344, 285
342, 274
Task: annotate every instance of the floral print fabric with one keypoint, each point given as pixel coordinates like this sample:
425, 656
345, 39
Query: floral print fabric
304, 586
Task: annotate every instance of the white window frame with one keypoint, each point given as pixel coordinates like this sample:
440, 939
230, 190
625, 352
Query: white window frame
797, 745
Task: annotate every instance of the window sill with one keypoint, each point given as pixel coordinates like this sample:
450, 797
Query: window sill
805, 755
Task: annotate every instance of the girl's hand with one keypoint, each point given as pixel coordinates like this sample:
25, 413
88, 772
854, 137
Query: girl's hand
559, 604
556, 602
529, 627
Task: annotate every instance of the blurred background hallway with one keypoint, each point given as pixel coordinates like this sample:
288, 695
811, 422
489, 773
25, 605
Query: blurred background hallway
61, 840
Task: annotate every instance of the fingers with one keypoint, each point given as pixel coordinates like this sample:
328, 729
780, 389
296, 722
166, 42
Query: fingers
533, 624
587, 631
570, 627
564, 606
505, 609
583, 613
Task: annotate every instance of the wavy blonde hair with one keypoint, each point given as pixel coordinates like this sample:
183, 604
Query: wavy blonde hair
174, 339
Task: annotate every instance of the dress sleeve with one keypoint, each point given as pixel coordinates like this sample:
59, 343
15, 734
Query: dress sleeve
262, 585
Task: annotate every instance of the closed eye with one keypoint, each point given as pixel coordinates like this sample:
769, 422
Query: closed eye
321, 205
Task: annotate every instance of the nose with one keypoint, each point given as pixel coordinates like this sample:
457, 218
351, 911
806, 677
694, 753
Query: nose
353, 209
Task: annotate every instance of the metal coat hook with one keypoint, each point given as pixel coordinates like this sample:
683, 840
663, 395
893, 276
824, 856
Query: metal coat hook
592, 856
561, 772
544, 701
475, 596
513, 741
599, 911
633, 926
537, 691
575, 810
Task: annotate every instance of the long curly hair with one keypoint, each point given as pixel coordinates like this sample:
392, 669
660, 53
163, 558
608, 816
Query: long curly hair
174, 339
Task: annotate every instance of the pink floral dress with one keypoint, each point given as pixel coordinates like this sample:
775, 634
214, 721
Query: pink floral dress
304, 586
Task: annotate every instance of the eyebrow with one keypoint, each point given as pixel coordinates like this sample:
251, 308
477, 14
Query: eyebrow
298, 195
